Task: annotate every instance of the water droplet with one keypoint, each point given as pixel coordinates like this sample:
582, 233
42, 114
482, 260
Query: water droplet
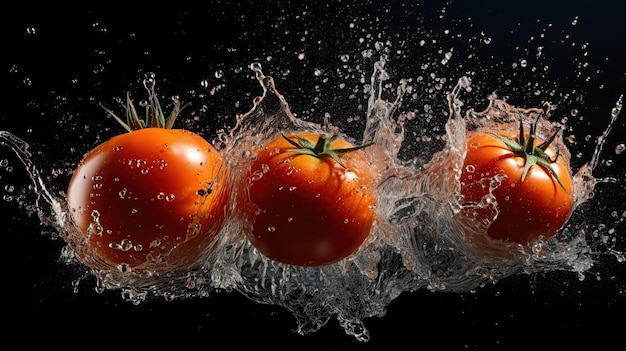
368, 53
571, 139
149, 80
124, 268
620, 148
465, 82
489, 199
256, 67
155, 243
265, 168
95, 215
446, 57
271, 229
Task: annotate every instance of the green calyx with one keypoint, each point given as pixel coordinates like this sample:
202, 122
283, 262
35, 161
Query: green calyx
154, 116
322, 148
533, 154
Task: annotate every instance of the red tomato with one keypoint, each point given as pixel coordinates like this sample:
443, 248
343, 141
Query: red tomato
534, 195
148, 200
315, 197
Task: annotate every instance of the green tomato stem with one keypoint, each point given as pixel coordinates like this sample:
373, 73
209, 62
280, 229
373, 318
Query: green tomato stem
154, 116
322, 148
531, 153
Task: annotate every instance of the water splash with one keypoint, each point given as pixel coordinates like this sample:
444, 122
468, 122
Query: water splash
418, 244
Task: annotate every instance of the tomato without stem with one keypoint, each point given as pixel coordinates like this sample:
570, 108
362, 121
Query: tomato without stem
315, 198
151, 199
530, 183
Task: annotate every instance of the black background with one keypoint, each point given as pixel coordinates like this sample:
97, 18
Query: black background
59, 62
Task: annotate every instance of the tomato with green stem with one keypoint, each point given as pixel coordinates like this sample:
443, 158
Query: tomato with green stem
529, 181
315, 198
149, 200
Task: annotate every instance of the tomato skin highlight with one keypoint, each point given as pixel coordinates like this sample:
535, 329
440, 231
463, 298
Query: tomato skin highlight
311, 211
529, 210
148, 189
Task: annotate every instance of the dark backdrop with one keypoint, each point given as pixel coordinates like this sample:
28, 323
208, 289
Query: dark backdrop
59, 62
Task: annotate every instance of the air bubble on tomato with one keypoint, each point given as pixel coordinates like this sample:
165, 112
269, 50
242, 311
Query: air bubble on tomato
151, 200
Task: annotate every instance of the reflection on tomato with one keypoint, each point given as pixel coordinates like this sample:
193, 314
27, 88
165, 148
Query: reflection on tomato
530, 183
151, 199
315, 198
